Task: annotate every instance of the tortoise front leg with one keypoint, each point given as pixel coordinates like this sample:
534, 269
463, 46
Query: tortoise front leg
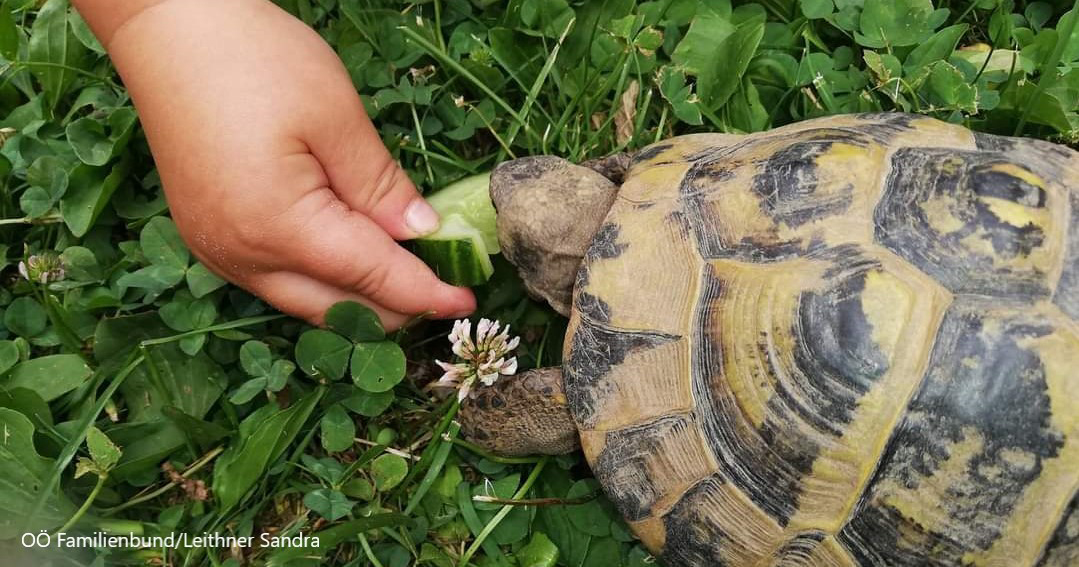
521, 415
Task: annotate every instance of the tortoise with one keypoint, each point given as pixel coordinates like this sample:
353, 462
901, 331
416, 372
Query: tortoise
852, 340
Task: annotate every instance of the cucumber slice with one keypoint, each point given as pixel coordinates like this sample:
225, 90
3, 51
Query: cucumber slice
470, 198
459, 252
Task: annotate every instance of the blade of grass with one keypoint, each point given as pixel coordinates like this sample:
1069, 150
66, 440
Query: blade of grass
662, 122
427, 457
247, 321
539, 501
516, 76
68, 452
494, 133
460, 163
533, 93
638, 124
145, 496
1048, 71
490, 456
423, 142
367, 550
490, 527
330, 537
445, 59
468, 514
615, 83
437, 463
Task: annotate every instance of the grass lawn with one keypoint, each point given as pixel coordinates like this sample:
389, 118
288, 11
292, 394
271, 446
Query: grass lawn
142, 394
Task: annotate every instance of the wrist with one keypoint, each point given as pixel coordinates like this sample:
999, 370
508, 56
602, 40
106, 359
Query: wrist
105, 17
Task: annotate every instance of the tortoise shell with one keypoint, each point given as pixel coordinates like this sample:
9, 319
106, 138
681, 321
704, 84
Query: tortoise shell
849, 341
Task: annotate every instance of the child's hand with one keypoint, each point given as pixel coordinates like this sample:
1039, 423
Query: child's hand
272, 170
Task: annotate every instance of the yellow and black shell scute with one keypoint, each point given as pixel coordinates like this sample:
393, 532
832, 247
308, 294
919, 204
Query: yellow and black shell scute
849, 341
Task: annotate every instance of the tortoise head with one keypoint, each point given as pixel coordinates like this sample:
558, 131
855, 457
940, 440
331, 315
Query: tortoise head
548, 212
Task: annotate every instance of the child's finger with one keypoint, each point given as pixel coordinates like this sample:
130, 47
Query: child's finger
330, 242
308, 298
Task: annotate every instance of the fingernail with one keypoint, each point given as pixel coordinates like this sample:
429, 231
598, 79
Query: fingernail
420, 217
460, 314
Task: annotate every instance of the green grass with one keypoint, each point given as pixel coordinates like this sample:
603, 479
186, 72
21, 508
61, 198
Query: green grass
263, 437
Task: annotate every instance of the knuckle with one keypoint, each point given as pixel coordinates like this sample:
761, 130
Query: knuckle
250, 235
288, 230
280, 290
372, 282
388, 176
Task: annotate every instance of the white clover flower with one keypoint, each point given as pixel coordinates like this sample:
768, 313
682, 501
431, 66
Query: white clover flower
42, 268
484, 359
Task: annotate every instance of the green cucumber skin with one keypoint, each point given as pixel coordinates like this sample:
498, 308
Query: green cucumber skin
454, 261
469, 199
458, 251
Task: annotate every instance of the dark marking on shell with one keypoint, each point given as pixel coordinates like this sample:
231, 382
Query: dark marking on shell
1048, 153
593, 308
983, 413
594, 350
1063, 548
605, 244
994, 143
702, 177
691, 538
799, 549
897, 120
874, 537
768, 474
749, 249
835, 363
1066, 295
835, 353
622, 468
1004, 186
731, 155
651, 152
957, 179
698, 219
787, 184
